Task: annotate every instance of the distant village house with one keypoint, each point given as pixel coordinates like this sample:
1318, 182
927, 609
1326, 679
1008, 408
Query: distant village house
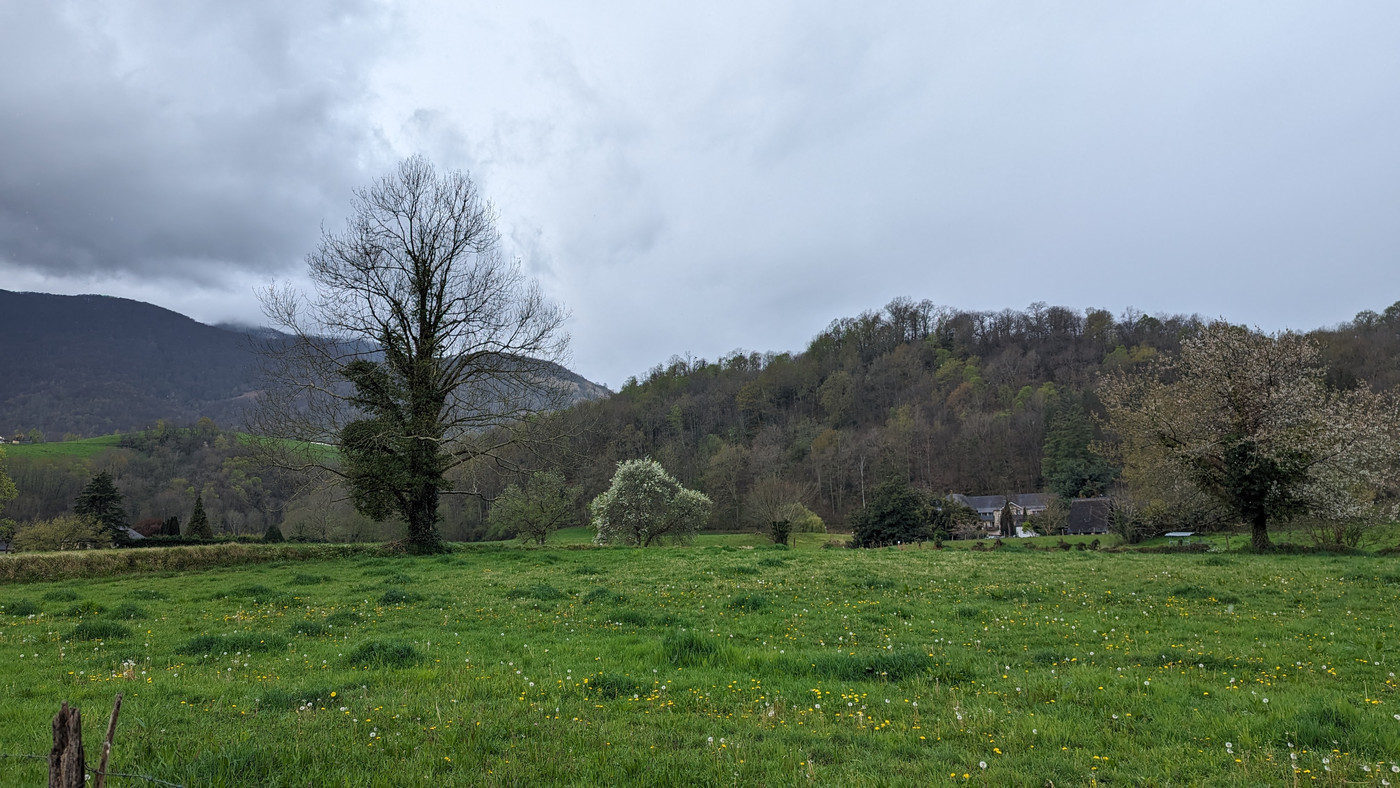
989, 509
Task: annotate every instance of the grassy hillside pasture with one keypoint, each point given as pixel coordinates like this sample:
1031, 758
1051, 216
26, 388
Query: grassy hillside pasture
79, 449
715, 665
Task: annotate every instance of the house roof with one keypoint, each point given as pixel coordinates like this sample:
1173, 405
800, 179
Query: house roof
1089, 515
993, 503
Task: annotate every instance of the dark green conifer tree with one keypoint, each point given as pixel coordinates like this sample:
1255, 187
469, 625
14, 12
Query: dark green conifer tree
1069, 468
102, 501
199, 521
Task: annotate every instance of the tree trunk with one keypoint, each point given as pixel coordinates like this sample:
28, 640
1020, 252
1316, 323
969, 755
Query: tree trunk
1259, 533
422, 516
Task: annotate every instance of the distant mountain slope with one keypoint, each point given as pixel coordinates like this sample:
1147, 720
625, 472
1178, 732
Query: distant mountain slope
93, 364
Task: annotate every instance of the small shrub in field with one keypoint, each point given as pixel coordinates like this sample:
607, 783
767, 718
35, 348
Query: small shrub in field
967, 611
751, 603
21, 607
396, 597
86, 608
384, 654
542, 592
691, 649
99, 630
240, 641
130, 612
587, 569
303, 579
772, 562
61, 595
743, 570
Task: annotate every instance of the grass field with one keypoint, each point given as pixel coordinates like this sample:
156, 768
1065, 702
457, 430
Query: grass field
79, 449
718, 665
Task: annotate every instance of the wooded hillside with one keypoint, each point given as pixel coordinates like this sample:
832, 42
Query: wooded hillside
954, 401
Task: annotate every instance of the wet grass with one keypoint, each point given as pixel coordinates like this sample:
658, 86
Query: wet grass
505, 666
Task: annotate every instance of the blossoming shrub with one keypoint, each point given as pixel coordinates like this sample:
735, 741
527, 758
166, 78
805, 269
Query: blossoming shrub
645, 505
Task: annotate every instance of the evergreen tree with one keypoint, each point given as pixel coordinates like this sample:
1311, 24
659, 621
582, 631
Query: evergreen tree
199, 521
273, 534
1008, 520
1070, 469
102, 501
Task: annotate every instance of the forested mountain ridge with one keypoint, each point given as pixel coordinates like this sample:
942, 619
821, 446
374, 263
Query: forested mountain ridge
954, 401
90, 365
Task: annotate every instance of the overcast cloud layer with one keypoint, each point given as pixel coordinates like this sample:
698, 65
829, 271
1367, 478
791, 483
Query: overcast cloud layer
732, 175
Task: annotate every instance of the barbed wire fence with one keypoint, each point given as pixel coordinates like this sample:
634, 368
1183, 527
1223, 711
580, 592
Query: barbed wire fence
67, 764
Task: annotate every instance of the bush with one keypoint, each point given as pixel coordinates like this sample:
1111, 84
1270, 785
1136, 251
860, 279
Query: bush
68, 532
895, 513
542, 507
645, 504
780, 530
273, 534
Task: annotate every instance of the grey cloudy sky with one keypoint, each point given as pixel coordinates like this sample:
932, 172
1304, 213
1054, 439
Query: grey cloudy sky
705, 177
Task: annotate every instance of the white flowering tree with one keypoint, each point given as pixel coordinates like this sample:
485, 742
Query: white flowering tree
1244, 422
645, 505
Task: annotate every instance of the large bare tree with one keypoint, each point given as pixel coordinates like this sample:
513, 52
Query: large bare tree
421, 349
1244, 423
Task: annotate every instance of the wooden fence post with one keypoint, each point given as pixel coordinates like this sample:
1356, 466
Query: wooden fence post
66, 766
101, 780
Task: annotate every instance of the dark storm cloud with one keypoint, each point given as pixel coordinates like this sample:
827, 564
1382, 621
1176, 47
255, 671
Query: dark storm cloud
178, 140
728, 174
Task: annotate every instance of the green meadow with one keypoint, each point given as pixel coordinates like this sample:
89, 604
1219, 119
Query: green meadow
720, 664
77, 449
